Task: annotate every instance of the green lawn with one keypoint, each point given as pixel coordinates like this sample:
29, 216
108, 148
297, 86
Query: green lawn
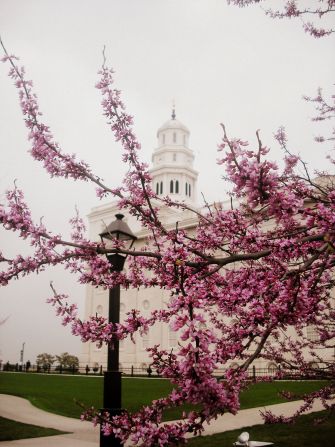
58, 394
267, 393
303, 433
11, 430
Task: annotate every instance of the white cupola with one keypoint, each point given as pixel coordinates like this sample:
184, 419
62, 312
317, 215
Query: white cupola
172, 171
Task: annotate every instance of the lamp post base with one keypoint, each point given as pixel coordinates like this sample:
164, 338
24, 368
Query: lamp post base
110, 440
112, 405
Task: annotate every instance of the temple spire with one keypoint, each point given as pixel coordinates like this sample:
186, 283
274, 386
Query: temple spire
173, 116
172, 172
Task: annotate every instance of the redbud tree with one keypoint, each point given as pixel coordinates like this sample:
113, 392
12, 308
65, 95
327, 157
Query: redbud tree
243, 286
310, 12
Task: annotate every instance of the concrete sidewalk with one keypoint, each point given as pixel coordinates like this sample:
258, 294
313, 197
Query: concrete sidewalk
83, 434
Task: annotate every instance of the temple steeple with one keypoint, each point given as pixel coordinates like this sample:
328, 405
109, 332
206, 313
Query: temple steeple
172, 171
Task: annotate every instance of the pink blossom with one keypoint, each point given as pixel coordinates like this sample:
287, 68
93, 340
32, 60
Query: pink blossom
239, 283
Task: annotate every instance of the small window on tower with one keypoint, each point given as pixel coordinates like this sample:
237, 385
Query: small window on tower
174, 157
171, 186
189, 190
161, 188
157, 188
163, 138
184, 140
174, 137
177, 187
186, 189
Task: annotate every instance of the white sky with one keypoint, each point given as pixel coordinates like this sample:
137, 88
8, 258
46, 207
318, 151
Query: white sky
219, 64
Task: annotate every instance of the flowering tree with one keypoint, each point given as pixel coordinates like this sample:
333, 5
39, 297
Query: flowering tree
316, 10
243, 286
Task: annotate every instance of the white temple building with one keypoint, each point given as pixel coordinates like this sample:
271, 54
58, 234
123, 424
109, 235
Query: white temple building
173, 175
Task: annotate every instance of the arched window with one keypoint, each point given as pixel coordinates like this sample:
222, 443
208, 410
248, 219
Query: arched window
161, 188
177, 187
171, 186
174, 137
172, 337
189, 190
272, 368
146, 304
157, 188
186, 189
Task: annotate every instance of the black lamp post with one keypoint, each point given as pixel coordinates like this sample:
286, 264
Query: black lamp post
118, 229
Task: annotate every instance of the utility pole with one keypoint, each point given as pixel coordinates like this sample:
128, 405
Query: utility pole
22, 354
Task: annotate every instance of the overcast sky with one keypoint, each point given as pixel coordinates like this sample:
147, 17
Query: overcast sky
218, 63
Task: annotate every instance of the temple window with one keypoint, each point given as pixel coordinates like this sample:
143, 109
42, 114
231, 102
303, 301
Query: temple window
146, 340
172, 337
272, 368
171, 186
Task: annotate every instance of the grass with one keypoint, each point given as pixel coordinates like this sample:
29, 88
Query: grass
303, 433
58, 394
11, 430
268, 393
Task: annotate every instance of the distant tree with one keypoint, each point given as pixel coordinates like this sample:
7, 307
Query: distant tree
67, 360
45, 360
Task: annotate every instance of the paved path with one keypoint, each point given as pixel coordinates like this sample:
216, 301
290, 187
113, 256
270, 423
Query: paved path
83, 434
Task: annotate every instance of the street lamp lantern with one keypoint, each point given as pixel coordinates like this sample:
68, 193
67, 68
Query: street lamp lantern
117, 230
